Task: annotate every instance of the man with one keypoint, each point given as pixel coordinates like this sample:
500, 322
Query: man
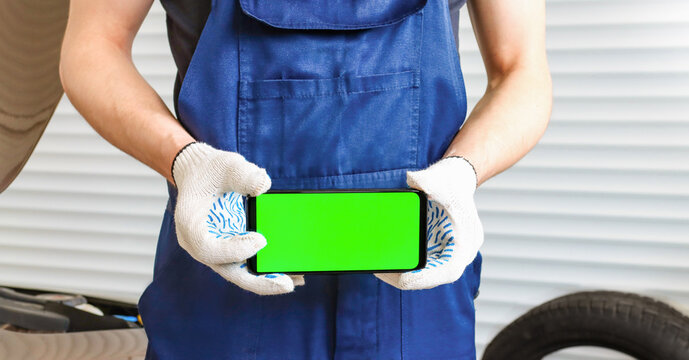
304, 94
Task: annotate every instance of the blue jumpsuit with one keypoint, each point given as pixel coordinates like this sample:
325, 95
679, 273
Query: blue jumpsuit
322, 94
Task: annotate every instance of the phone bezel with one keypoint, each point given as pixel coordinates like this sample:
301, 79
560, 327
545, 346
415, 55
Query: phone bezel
251, 226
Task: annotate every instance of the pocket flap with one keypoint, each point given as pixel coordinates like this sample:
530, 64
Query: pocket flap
330, 14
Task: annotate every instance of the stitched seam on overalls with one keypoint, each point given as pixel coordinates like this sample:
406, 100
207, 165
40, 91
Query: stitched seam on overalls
334, 26
382, 172
402, 332
377, 351
274, 88
260, 307
241, 103
306, 96
416, 101
454, 53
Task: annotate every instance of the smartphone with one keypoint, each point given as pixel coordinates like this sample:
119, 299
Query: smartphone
339, 231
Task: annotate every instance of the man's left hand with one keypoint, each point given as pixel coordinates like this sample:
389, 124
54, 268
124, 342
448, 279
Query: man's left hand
454, 231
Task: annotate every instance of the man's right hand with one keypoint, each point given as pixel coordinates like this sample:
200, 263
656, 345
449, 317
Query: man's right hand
210, 220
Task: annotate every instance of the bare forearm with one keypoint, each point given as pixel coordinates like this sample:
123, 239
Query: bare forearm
101, 81
506, 123
512, 115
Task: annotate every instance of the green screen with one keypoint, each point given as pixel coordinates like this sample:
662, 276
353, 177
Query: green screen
338, 231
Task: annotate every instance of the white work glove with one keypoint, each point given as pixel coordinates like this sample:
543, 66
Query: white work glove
210, 220
454, 230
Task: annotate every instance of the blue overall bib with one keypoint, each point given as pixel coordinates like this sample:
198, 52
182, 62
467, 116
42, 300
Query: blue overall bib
322, 94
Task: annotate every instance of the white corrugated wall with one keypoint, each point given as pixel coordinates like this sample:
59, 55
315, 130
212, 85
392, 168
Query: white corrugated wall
601, 203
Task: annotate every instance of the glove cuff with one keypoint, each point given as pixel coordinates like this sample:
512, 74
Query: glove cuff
189, 156
463, 167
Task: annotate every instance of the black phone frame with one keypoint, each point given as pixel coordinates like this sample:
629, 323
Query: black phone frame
250, 208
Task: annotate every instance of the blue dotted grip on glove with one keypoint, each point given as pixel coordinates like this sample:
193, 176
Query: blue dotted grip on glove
439, 235
226, 218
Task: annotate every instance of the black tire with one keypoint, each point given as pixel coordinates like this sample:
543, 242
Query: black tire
635, 325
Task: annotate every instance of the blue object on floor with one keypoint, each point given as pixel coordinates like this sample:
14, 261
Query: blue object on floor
127, 318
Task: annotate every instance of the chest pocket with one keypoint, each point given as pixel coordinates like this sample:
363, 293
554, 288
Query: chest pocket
329, 89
